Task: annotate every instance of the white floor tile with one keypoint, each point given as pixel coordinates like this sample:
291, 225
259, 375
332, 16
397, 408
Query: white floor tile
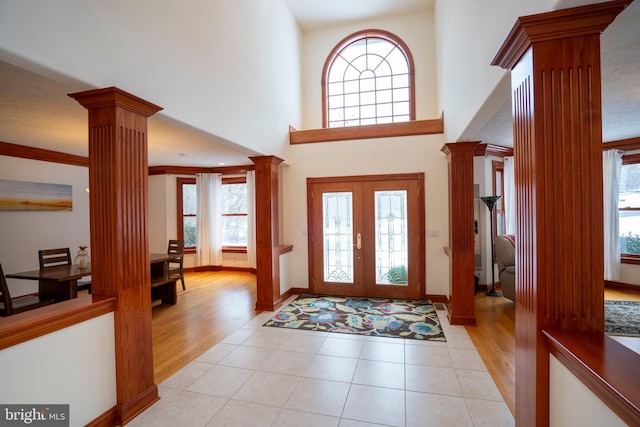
319, 396
247, 357
264, 376
424, 409
244, 414
467, 359
188, 409
478, 385
428, 355
287, 362
429, 379
267, 388
379, 374
375, 404
222, 381
340, 347
332, 368
187, 375
303, 343
383, 351
485, 413
289, 418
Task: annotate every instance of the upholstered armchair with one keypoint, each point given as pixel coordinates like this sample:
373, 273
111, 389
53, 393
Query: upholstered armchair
506, 256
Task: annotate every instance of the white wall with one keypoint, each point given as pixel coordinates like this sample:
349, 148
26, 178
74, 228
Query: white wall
369, 157
215, 65
74, 366
572, 404
469, 34
25, 232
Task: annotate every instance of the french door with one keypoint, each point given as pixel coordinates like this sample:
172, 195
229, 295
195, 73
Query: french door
366, 236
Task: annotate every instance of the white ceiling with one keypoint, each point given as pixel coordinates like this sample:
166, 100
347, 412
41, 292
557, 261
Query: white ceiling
36, 111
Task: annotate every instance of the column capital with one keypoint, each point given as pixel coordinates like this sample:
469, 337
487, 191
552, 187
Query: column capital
556, 25
114, 97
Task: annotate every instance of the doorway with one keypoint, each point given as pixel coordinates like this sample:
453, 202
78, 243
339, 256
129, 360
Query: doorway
366, 236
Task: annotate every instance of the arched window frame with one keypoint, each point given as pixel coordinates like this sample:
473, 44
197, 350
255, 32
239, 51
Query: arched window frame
357, 36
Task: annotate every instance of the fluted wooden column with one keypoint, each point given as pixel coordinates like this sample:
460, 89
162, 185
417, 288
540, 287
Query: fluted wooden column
267, 232
554, 60
118, 202
461, 304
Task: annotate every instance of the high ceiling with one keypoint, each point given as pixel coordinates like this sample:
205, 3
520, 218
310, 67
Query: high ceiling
620, 53
36, 111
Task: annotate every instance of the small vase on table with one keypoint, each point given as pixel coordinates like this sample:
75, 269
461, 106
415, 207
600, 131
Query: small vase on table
82, 258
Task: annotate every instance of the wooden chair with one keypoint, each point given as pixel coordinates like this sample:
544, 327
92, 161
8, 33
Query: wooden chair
176, 267
54, 257
60, 256
9, 306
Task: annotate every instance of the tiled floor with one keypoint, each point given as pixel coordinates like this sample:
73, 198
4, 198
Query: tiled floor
265, 376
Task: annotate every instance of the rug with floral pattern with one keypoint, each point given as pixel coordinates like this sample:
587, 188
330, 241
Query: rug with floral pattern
375, 317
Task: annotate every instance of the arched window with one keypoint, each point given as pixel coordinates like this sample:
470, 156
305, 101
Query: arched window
368, 79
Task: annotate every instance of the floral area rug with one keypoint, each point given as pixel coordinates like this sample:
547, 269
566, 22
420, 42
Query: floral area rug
372, 317
622, 317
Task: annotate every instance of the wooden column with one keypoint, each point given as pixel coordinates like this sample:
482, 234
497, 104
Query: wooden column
461, 304
267, 232
554, 60
119, 249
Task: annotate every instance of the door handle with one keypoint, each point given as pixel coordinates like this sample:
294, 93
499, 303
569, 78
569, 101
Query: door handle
359, 241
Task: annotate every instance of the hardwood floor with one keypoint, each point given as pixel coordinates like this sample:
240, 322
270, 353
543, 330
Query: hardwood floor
494, 338
213, 306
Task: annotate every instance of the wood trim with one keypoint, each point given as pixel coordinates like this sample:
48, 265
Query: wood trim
283, 249
32, 324
604, 365
180, 208
630, 259
387, 130
623, 144
630, 159
461, 301
556, 25
386, 35
132, 408
267, 232
622, 286
119, 218
192, 170
365, 178
33, 153
106, 419
493, 150
554, 60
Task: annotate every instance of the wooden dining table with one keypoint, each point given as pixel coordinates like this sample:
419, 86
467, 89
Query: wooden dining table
60, 283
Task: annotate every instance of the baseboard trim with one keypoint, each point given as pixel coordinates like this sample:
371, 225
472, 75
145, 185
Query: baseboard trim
131, 409
107, 419
621, 286
201, 269
442, 299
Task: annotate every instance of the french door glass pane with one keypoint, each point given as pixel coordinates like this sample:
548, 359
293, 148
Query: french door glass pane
391, 237
337, 234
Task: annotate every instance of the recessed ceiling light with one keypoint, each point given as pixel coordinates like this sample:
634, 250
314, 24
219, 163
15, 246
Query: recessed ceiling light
221, 164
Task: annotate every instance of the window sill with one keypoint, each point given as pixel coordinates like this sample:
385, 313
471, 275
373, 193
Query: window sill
414, 127
630, 259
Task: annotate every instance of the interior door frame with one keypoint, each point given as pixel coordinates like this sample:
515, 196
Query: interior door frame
419, 257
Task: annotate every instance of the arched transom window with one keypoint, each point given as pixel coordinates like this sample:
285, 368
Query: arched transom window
368, 79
